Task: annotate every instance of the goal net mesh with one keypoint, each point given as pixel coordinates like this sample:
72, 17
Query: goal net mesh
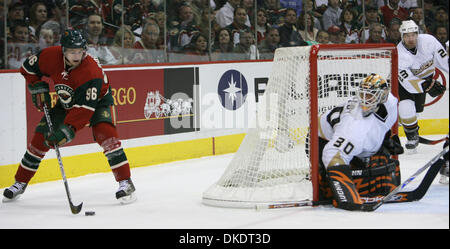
272, 165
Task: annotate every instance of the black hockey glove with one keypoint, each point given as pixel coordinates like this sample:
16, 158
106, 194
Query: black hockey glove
393, 145
433, 87
40, 94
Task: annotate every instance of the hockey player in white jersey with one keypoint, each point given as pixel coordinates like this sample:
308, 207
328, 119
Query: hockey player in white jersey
356, 144
418, 55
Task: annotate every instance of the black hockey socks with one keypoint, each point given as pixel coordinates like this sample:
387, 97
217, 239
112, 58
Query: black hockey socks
412, 134
345, 193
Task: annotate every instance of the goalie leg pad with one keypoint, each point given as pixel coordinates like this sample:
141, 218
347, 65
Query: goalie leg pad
346, 195
105, 135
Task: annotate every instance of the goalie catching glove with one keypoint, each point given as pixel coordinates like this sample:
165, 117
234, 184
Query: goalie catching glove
40, 94
60, 136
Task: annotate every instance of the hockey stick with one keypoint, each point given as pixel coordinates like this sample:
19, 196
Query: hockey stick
73, 208
407, 196
306, 203
393, 193
431, 142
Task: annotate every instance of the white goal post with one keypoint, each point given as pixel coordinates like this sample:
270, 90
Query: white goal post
277, 161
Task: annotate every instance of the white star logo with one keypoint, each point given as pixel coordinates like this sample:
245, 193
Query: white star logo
232, 89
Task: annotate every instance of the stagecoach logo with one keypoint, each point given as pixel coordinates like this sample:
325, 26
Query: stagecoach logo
158, 106
65, 94
232, 89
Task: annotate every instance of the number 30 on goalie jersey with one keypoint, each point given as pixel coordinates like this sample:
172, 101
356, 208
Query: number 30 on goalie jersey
350, 134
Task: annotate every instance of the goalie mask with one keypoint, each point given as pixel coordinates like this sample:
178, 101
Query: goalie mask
372, 91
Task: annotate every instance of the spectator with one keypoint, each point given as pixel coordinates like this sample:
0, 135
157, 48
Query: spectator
332, 14
20, 46
408, 4
79, 10
393, 31
56, 30
57, 13
97, 43
270, 44
246, 49
225, 15
45, 38
417, 17
238, 24
222, 46
308, 6
160, 18
208, 18
370, 17
333, 34
20, 32
323, 37
249, 7
197, 49
305, 24
262, 26
122, 46
293, 4
393, 10
375, 31
289, 36
321, 6
429, 12
148, 44
94, 30
38, 16
183, 29
441, 34
275, 13
441, 18
349, 26
15, 13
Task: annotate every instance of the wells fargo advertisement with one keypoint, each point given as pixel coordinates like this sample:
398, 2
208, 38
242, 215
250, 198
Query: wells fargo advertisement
147, 102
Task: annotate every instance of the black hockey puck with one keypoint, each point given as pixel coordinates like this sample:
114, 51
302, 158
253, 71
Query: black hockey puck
89, 213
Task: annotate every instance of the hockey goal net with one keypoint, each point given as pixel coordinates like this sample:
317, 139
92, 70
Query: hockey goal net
277, 161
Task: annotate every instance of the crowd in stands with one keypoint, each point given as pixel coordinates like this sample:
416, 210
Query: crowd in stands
154, 31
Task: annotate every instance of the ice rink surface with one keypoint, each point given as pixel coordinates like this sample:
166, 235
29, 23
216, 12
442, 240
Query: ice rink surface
169, 197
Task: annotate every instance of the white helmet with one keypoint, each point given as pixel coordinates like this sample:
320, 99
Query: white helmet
408, 26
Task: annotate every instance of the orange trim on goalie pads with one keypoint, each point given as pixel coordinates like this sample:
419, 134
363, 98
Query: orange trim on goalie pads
347, 183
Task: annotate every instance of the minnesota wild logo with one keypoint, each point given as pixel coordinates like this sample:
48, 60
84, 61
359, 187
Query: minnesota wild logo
65, 94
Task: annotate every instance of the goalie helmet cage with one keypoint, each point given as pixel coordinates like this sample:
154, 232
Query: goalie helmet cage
277, 161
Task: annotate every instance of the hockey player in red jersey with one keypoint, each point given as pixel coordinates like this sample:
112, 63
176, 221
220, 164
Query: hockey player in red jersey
84, 97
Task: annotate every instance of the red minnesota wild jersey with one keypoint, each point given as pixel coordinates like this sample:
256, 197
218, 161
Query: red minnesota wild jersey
79, 89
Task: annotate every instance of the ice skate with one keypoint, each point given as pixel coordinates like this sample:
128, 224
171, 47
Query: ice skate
411, 146
412, 142
444, 174
14, 192
125, 193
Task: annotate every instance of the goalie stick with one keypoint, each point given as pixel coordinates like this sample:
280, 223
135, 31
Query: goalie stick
394, 197
423, 140
416, 195
73, 208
